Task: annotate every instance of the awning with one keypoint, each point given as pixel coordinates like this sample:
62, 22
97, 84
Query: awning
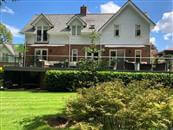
120, 46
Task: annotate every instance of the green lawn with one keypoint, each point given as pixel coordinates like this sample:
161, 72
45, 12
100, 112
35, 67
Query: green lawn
25, 108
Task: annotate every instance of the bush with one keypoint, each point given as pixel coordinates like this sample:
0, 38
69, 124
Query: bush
71, 80
113, 105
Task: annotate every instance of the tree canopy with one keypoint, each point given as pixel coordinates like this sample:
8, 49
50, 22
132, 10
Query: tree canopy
5, 34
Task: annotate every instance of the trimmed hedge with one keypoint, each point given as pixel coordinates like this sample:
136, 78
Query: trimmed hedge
57, 80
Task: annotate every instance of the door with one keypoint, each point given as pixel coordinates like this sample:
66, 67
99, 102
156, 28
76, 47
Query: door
120, 59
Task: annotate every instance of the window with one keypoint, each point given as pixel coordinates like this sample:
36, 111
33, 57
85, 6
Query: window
94, 56
45, 33
5, 57
112, 57
138, 56
42, 33
39, 33
137, 30
74, 54
41, 54
76, 30
73, 30
116, 33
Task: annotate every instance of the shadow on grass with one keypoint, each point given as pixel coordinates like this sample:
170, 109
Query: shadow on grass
47, 122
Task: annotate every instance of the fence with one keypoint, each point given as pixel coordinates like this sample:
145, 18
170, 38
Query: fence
104, 62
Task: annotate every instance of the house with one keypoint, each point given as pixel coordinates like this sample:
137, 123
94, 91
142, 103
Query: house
166, 56
7, 54
63, 37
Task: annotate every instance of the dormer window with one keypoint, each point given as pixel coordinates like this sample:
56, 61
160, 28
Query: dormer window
76, 30
42, 35
138, 30
116, 30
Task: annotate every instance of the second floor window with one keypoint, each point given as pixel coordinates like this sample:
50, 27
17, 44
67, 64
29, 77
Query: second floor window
76, 30
138, 30
42, 33
116, 30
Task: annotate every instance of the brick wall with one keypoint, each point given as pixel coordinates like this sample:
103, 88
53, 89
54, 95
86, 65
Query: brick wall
59, 53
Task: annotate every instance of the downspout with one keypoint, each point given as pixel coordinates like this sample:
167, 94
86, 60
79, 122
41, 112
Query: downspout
69, 48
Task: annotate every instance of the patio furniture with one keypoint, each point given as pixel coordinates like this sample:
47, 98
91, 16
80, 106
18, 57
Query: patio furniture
160, 67
129, 66
146, 67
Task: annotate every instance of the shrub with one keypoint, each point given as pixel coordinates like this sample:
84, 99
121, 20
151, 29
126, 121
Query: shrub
71, 80
113, 105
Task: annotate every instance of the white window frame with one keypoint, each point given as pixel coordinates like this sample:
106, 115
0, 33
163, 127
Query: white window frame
41, 55
42, 33
76, 55
76, 30
140, 54
115, 25
92, 55
110, 57
137, 29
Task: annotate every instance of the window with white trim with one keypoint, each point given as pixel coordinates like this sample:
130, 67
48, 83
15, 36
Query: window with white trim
138, 30
116, 30
112, 57
42, 35
41, 54
138, 54
76, 30
94, 56
74, 55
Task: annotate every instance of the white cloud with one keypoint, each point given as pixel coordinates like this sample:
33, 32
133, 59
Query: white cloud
168, 36
153, 40
165, 25
109, 7
15, 31
7, 10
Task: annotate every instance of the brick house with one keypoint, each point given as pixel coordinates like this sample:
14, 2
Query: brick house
58, 37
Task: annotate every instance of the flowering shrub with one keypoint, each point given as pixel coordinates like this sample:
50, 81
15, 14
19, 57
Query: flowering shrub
113, 105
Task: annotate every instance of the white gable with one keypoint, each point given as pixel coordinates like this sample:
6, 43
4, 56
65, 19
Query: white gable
126, 21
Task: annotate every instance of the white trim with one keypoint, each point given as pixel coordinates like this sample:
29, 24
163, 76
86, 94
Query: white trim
45, 45
76, 55
125, 45
76, 17
140, 54
39, 18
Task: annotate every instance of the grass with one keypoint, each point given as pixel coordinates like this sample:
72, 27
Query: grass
24, 109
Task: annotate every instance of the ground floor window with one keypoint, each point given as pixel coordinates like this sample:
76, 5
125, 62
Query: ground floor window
41, 54
74, 55
138, 54
94, 56
112, 57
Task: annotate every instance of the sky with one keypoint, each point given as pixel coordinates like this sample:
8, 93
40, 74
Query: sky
15, 15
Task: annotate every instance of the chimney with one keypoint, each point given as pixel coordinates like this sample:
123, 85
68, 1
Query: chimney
83, 10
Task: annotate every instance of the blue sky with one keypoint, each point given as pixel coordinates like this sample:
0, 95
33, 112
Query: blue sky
16, 14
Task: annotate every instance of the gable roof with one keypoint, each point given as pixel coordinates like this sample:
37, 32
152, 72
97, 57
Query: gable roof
139, 11
38, 19
76, 17
60, 22
9, 47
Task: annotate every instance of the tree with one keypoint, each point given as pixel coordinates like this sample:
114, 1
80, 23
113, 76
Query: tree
5, 34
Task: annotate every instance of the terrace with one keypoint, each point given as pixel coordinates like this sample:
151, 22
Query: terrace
114, 63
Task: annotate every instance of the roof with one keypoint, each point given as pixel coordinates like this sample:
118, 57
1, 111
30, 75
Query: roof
60, 21
10, 48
